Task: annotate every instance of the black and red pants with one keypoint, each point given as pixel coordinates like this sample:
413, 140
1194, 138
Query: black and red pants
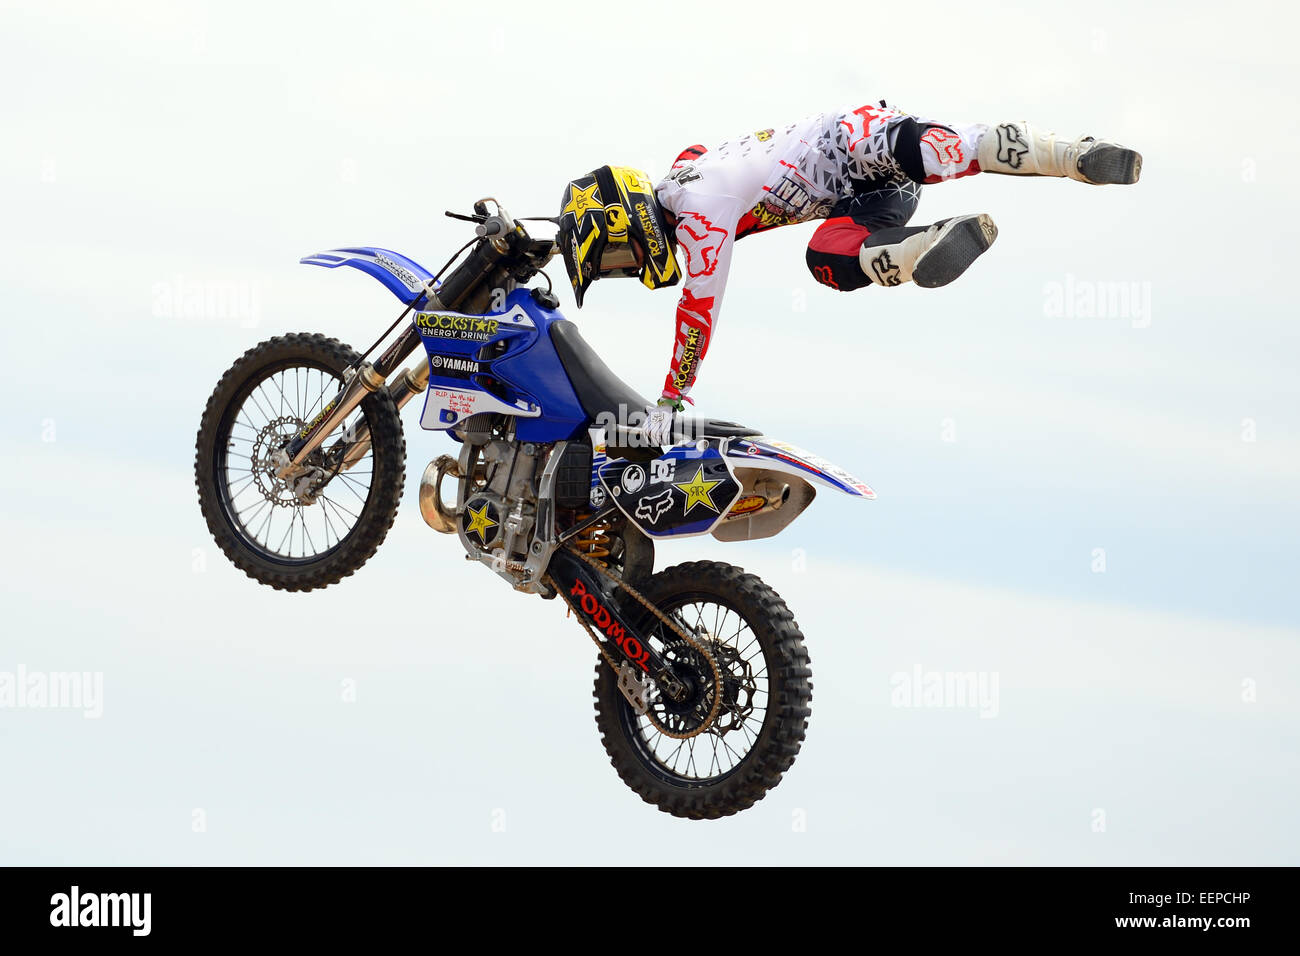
833, 250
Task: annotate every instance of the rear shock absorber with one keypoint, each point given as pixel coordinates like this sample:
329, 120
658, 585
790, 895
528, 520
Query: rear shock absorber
595, 542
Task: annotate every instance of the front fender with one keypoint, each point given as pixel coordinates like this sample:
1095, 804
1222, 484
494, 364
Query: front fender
403, 277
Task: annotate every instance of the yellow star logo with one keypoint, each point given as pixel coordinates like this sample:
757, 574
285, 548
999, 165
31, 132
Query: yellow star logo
582, 201
697, 491
480, 523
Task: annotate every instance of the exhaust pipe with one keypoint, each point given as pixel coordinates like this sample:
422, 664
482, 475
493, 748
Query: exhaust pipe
761, 496
431, 506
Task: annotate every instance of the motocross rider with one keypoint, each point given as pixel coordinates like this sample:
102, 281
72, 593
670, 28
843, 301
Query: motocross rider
859, 168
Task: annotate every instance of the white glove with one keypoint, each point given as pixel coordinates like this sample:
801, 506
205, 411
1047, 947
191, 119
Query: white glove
658, 425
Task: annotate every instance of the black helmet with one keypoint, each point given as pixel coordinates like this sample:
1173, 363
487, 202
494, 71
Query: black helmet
611, 224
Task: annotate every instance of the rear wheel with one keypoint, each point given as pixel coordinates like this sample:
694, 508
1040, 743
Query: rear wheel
261, 522
767, 690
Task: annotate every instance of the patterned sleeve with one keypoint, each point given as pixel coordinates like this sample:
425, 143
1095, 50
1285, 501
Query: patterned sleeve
706, 226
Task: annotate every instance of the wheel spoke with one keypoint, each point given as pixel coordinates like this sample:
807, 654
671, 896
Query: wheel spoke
338, 506
744, 672
273, 408
252, 397
287, 532
348, 483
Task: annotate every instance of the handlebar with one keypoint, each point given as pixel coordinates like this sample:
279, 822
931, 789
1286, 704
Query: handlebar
499, 224
504, 251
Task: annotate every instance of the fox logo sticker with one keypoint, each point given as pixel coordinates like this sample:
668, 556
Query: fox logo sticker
701, 239
885, 270
651, 508
946, 145
1011, 146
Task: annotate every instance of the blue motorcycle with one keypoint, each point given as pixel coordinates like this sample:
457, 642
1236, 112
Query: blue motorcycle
702, 682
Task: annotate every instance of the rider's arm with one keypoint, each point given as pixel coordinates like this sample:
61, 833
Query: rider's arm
706, 226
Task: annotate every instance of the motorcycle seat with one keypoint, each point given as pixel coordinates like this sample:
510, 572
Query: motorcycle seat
604, 394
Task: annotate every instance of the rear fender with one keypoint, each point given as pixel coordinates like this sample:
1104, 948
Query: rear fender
772, 454
778, 481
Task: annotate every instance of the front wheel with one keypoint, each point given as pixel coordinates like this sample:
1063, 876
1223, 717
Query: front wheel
766, 693
266, 527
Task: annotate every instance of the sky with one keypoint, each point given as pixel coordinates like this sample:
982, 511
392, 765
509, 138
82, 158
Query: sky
1085, 450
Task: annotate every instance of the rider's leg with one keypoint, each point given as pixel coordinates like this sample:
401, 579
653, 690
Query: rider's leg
833, 251
1024, 150
930, 256
866, 241
931, 153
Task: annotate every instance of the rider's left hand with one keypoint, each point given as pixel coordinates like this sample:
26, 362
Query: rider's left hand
659, 425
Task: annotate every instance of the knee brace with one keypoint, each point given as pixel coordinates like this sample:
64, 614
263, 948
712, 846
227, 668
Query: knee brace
929, 152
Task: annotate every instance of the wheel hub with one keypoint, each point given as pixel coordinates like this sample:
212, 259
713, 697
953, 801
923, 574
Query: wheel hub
691, 668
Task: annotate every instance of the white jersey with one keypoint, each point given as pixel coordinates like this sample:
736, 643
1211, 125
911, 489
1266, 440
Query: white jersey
759, 181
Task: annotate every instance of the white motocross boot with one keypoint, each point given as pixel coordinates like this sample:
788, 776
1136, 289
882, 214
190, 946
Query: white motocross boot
1020, 149
930, 256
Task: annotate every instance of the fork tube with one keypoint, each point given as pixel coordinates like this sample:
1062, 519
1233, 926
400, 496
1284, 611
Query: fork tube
368, 378
455, 289
410, 383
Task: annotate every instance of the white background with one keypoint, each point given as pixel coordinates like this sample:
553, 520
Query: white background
150, 147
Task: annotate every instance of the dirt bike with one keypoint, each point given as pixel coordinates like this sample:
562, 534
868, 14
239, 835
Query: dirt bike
702, 680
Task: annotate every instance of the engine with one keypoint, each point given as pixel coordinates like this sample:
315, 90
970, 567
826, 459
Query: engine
496, 501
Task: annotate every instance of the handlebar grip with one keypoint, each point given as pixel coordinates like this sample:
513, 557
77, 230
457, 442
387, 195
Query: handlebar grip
493, 227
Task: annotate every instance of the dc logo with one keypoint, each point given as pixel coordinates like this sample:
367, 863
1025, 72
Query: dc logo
662, 469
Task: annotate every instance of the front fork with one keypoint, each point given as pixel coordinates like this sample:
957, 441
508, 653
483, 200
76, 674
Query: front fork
406, 386
364, 381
